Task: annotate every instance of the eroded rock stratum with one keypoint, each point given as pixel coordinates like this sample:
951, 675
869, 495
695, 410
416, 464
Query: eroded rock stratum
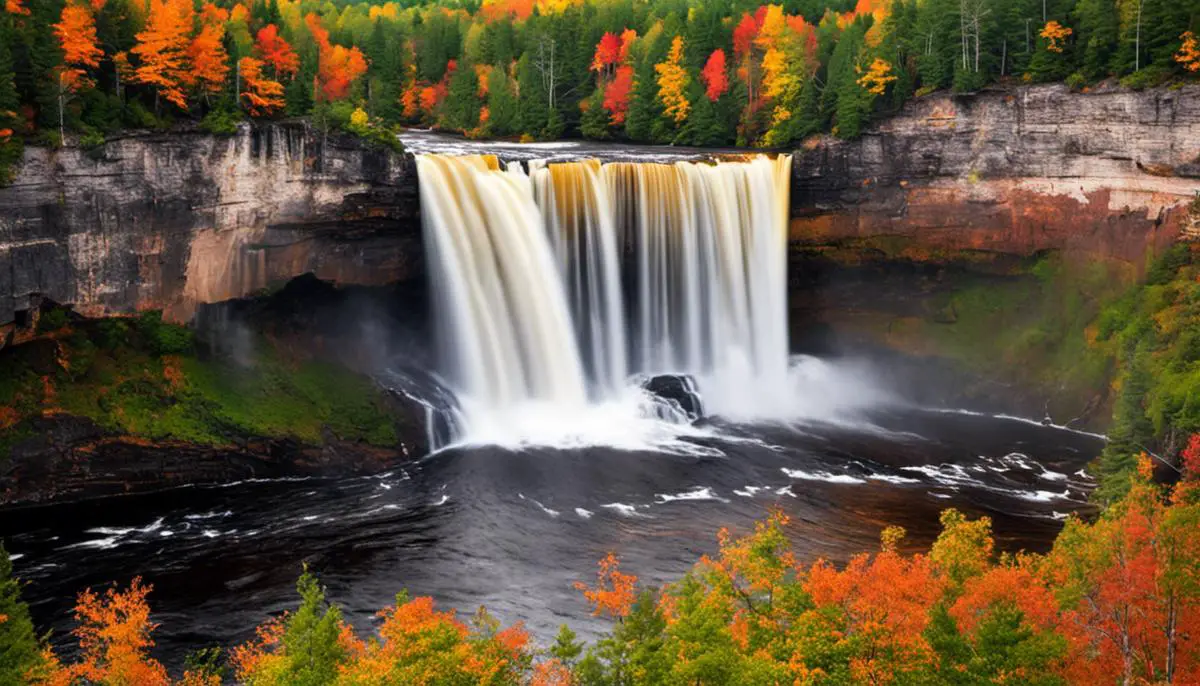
1103, 176
172, 220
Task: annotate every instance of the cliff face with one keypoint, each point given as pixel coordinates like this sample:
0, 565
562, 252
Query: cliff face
1105, 175
171, 221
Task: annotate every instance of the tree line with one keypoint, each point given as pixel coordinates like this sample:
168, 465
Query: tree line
1116, 601
664, 71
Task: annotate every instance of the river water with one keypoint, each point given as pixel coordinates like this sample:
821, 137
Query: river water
514, 529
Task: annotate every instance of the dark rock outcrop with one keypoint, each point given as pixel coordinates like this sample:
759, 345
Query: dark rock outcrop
173, 220
71, 458
678, 391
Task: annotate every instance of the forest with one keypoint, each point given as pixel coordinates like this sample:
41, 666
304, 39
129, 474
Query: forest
664, 71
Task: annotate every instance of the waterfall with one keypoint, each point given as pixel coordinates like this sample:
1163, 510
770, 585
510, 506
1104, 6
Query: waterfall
579, 217
532, 304
503, 319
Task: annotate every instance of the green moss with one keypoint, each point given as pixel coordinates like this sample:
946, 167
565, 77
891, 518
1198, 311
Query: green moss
142, 386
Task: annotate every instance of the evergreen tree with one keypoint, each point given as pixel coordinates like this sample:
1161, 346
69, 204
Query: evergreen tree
1131, 433
310, 637
533, 101
703, 126
1098, 32
503, 115
594, 121
460, 111
19, 647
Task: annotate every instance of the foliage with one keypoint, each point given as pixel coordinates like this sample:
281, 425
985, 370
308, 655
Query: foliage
20, 651
52, 319
222, 121
1154, 333
772, 73
143, 378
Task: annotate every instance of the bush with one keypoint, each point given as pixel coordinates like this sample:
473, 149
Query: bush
136, 116
1077, 81
110, 334
48, 138
221, 121
162, 337
11, 152
1146, 78
52, 320
91, 139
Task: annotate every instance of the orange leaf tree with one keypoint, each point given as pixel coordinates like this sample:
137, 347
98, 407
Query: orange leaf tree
263, 96
210, 62
114, 640
338, 67
616, 95
162, 49
276, 51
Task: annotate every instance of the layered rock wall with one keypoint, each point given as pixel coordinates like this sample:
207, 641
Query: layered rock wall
173, 220
1106, 175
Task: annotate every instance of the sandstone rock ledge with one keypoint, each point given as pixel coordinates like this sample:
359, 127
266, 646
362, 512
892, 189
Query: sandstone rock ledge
173, 220
1103, 176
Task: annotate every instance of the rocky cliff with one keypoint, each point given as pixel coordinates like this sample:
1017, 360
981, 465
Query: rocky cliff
1106, 175
172, 220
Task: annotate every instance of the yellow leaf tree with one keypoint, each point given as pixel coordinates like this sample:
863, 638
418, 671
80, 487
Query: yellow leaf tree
673, 81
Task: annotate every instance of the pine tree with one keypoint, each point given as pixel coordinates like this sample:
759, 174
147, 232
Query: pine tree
460, 111
533, 100
503, 115
594, 122
20, 651
310, 638
1099, 31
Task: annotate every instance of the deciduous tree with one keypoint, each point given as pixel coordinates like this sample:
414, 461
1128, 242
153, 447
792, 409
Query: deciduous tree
162, 49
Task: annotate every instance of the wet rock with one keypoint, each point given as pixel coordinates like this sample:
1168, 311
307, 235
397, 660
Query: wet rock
69, 458
678, 391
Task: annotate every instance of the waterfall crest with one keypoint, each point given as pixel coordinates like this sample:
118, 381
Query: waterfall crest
553, 288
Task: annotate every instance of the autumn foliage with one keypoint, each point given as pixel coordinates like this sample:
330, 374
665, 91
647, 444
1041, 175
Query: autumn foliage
263, 96
163, 48
339, 66
673, 82
276, 51
716, 80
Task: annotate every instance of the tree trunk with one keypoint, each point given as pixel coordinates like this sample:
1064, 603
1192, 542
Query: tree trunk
1137, 44
1172, 621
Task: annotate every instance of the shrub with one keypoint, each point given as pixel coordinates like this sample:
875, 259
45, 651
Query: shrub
52, 320
1146, 78
48, 138
138, 117
111, 333
221, 121
11, 152
164, 338
1077, 81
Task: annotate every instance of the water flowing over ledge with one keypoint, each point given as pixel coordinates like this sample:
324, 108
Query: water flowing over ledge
557, 285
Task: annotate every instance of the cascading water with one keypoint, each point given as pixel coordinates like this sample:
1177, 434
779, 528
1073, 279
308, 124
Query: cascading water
528, 273
503, 316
